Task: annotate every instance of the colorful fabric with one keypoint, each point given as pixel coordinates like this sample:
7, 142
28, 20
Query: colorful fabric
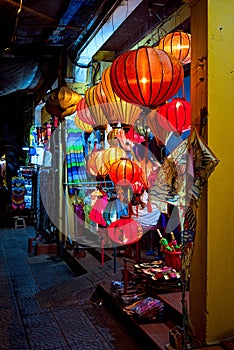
18, 193
96, 213
76, 167
204, 162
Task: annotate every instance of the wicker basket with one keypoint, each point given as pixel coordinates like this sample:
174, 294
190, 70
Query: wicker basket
173, 259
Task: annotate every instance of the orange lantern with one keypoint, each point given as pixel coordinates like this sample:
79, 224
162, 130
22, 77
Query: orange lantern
125, 172
146, 76
82, 125
117, 110
178, 44
92, 100
125, 231
84, 113
175, 115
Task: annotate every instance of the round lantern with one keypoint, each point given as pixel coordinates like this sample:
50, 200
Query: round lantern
95, 165
125, 231
112, 154
178, 44
146, 76
82, 125
125, 172
117, 110
92, 100
84, 113
175, 115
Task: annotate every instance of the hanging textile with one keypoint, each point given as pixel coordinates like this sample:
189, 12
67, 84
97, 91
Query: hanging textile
76, 169
79, 211
204, 162
96, 213
18, 193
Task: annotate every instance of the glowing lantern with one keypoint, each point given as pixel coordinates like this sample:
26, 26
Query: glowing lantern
125, 231
175, 115
146, 76
117, 110
95, 165
82, 125
111, 155
92, 101
125, 172
178, 44
84, 113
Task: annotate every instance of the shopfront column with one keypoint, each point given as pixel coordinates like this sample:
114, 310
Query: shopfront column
212, 96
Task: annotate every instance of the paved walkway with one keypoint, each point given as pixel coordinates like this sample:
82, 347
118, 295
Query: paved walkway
44, 305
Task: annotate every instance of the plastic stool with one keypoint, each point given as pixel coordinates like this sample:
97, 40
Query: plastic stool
20, 222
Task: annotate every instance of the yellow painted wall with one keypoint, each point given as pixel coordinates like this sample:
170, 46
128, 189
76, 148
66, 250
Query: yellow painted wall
212, 273
220, 233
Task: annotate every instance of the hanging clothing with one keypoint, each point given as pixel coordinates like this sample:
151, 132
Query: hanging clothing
76, 168
96, 213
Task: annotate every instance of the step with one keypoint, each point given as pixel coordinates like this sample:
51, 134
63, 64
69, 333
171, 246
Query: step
157, 332
173, 307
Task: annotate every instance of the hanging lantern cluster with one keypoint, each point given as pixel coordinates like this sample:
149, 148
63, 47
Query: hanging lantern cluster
177, 44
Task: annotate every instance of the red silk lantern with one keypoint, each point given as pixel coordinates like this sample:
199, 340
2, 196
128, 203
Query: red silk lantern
178, 44
125, 172
175, 115
117, 110
125, 231
84, 113
146, 76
